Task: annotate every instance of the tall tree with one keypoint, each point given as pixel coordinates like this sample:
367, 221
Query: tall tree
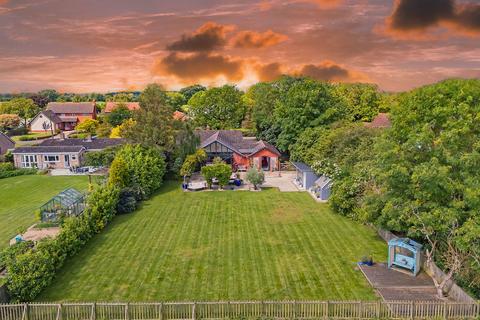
23, 107
218, 108
153, 123
189, 91
362, 100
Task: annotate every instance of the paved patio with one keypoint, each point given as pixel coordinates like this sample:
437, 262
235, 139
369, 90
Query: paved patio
282, 181
395, 285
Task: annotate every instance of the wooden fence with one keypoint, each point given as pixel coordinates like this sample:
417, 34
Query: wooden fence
242, 310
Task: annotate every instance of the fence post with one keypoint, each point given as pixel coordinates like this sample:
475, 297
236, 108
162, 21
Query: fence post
59, 312
127, 312
193, 310
412, 310
326, 309
295, 309
161, 311
25, 312
94, 311
360, 309
379, 309
263, 309
445, 311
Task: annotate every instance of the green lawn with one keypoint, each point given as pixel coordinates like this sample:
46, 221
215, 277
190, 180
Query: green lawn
21, 196
222, 245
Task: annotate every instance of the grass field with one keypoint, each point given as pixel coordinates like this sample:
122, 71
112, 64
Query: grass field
21, 196
222, 245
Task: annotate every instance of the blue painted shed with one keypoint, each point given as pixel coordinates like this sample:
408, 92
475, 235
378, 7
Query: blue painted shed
322, 188
405, 254
305, 177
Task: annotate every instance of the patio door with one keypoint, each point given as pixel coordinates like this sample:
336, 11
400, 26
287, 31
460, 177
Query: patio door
67, 161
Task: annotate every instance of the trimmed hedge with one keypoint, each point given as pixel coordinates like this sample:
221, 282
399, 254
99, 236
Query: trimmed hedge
8, 170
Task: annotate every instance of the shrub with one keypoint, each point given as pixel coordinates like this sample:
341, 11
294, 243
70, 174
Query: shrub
7, 170
219, 170
255, 177
100, 158
146, 167
127, 201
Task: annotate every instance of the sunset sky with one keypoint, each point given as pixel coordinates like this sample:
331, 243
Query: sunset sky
106, 45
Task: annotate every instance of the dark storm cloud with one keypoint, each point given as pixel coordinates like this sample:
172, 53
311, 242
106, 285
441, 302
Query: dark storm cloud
416, 15
208, 37
327, 71
199, 66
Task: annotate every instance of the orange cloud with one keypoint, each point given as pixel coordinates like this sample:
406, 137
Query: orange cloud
269, 72
208, 37
253, 39
322, 3
205, 66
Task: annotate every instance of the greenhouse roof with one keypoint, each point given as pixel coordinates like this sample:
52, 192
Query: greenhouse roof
67, 197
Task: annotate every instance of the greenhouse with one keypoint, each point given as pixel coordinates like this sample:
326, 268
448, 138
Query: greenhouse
69, 202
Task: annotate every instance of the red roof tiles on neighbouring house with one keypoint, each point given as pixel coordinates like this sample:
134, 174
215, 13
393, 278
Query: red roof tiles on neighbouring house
110, 106
382, 120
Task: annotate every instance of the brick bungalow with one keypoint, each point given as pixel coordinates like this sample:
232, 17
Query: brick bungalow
239, 151
59, 153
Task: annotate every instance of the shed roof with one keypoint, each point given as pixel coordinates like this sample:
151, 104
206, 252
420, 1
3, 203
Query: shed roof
303, 167
323, 181
405, 242
49, 114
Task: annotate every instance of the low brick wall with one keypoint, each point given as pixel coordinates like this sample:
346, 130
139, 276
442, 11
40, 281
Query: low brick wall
453, 290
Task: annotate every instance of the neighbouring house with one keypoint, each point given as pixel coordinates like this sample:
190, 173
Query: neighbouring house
110, 106
239, 151
48, 121
132, 106
5, 143
306, 177
72, 113
381, 121
59, 153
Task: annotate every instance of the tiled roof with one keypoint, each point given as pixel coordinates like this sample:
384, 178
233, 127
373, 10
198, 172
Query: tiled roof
110, 106
234, 140
4, 136
382, 120
71, 107
89, 144
47, 149
52, 116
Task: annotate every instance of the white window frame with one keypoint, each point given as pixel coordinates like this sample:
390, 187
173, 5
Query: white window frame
29, 161
46, 158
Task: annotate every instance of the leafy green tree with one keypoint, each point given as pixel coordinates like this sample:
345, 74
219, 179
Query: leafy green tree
219, 170
192, 161
176, 100
9, 121
255, 177
307, 103
88, 126
146, 167
119, 175
362, 100
153, 123
428, 167
119, 114
218, 108
23, 107
190, 91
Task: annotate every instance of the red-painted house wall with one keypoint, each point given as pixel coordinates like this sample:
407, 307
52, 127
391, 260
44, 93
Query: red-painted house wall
247, 162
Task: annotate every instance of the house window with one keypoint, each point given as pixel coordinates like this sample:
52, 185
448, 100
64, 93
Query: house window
49, 158
29, 161
74, 157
